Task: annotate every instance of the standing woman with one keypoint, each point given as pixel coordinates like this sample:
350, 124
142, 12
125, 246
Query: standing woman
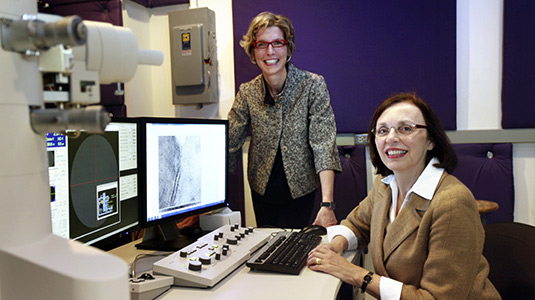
293, 131
420, 224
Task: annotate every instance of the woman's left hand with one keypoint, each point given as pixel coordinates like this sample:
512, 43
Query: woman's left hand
324, 259
325, 217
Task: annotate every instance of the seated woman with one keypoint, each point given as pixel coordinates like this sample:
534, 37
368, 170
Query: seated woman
420, 223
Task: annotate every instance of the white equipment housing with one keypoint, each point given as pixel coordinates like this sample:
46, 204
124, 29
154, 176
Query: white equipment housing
34, 263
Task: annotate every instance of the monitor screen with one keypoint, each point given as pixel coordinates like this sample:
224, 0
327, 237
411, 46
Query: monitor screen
186, 167
94, 183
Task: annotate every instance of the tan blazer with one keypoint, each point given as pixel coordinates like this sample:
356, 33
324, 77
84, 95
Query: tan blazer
433, 247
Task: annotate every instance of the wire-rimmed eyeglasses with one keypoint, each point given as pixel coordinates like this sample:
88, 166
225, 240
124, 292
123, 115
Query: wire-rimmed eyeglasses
404, 129
275, 44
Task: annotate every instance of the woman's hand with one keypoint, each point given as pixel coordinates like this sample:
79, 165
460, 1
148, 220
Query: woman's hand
327, 258
325, 217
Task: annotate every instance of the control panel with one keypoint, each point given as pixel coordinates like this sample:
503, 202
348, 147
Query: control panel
212, 257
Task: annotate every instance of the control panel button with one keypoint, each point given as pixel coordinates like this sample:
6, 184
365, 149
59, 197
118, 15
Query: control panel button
195, 265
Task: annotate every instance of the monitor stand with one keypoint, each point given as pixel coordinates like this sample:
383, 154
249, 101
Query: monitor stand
164, 237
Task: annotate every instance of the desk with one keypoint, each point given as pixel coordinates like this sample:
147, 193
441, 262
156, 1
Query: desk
244, 283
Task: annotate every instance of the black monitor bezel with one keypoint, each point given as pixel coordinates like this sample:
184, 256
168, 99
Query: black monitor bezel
143, 161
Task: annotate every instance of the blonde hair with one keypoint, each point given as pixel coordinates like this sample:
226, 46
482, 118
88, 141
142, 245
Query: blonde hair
265, 20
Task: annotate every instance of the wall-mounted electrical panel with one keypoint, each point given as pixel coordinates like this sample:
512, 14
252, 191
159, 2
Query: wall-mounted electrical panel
194, 75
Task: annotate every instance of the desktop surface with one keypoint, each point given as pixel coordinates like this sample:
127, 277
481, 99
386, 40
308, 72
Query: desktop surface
244, 283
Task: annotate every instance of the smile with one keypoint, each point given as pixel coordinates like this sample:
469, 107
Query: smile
271, 61
395, 152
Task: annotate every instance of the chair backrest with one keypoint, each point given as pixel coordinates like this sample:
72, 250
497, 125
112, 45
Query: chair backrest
349, 185
510, 250
487, 170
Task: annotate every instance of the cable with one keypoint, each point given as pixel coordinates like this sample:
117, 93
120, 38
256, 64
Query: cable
133, 266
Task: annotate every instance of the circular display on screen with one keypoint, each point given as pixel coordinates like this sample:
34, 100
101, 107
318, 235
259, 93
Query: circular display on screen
94, 165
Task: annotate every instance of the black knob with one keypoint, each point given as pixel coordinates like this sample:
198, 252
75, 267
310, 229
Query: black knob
195, 265
205, 260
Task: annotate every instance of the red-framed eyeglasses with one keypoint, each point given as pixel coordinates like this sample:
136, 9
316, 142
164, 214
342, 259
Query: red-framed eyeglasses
275, 44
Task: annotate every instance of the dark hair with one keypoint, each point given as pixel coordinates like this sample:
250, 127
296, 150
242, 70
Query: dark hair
443, 149
264, 20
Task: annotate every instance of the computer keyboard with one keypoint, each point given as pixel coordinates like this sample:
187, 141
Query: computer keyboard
212, 257
286, 252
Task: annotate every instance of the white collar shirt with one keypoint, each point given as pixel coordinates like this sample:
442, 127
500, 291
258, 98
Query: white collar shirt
425, 186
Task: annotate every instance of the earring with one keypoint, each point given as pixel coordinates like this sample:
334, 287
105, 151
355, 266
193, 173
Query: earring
289, 58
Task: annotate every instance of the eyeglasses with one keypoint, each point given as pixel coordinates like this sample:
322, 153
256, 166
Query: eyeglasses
404, 130
274, 44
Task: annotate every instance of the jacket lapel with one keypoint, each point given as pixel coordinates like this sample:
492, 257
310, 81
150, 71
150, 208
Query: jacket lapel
379, 230
405, 223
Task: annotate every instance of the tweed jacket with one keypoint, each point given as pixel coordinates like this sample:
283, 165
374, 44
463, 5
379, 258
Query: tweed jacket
301, 123
433, 247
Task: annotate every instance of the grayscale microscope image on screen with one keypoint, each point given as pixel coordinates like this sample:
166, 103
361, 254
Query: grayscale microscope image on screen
179, 179
185, 164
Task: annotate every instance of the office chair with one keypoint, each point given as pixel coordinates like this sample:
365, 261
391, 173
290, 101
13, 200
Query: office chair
509, 249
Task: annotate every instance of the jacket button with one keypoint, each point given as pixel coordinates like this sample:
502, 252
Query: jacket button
284, 148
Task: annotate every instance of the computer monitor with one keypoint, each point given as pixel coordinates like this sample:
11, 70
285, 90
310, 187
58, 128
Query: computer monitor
94, 184
186, 168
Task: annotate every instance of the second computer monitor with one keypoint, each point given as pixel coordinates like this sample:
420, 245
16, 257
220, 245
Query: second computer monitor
186, 167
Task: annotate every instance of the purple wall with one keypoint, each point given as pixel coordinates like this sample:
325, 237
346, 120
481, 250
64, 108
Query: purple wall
158, 3
518, 91
367, 51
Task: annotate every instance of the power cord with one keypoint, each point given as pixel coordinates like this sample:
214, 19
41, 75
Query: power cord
139, 256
